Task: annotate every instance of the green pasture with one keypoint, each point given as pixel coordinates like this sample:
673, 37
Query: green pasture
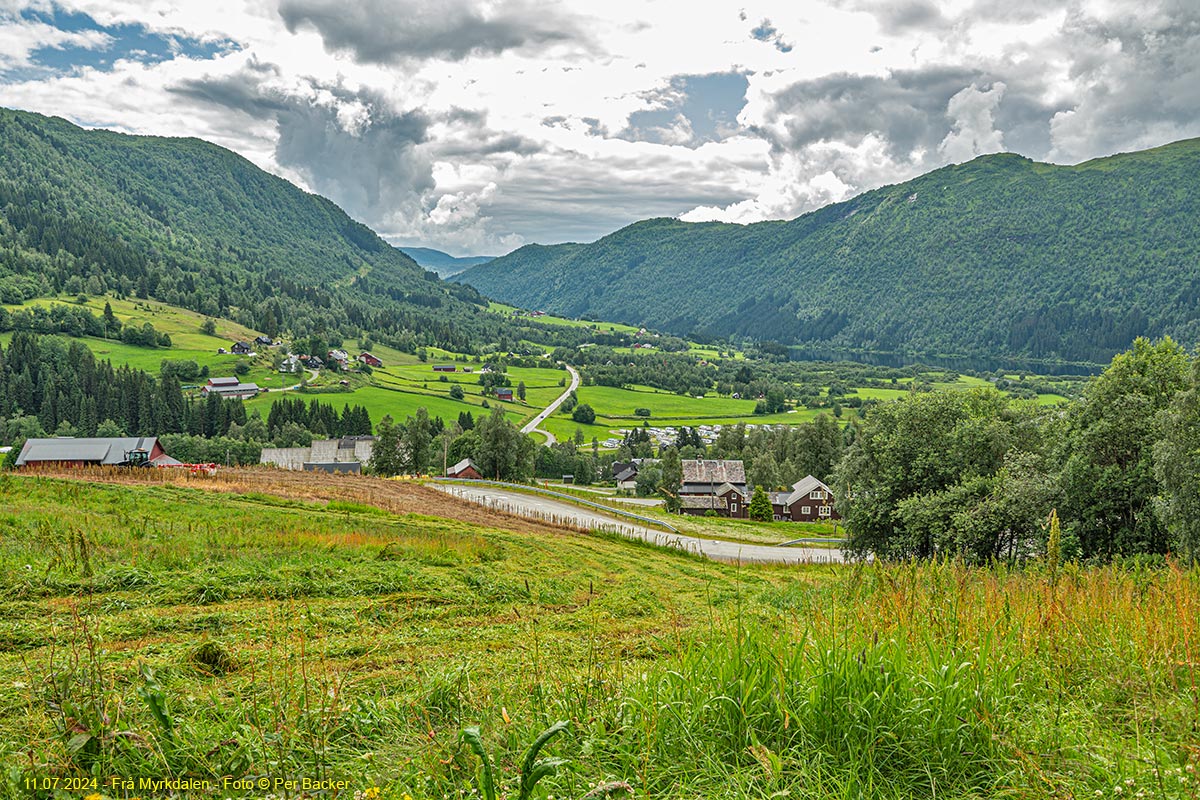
169, 631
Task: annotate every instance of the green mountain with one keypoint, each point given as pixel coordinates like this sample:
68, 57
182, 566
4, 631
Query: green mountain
443, 264
998, 256
197, 226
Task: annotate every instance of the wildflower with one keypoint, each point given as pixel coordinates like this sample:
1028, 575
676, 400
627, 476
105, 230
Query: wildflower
371, 793
1129, 781
1118, 789
93, 797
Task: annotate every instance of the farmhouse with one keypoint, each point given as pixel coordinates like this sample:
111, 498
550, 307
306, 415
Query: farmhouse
241, 348
369, 360
114, 452
340, 356
346, 454
230, 388
444, 368
464, 469
625, 472
626, 477
290, 364
263, 340
504, 394
808, 501
718, 486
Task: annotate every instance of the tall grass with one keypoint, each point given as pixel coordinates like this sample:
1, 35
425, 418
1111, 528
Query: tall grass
162, 631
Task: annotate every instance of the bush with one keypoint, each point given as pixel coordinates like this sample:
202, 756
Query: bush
583, 414
642, 412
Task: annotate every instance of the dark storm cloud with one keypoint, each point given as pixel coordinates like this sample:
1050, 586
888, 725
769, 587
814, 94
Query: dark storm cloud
899, 16
348, 145
908, 108
386, 31
1140, 74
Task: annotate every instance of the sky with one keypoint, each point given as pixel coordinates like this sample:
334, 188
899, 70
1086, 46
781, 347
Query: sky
477, 126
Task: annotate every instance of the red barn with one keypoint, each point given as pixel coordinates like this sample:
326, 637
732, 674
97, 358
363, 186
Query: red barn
93, 452
464, 469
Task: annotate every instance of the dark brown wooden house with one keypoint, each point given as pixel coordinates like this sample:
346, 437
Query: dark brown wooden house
810, 500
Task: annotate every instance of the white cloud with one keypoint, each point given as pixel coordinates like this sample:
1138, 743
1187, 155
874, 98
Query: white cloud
20, 38
501, 122
974, 133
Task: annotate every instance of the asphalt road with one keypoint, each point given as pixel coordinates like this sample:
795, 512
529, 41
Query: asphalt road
532, 425
548, 508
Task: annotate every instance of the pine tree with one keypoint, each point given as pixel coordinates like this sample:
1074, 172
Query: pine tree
760, 505
111, 324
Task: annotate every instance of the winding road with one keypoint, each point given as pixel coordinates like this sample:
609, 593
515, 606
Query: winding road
532, 425
552, 510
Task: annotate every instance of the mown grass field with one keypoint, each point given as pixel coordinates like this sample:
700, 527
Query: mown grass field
269, 624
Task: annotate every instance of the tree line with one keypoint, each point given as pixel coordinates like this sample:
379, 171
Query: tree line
53, 386
974, 475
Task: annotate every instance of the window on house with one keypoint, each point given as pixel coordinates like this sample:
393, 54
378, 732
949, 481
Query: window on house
806, 509
824, 511
733, 508
817, 494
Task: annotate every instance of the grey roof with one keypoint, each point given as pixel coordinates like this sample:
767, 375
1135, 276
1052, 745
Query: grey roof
703, 502
726, 488
462, 465
224, 381
714, 472
94, 450
803, 487
627, 474
237, 388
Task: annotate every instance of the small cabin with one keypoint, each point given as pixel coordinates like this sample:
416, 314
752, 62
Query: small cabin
464, 469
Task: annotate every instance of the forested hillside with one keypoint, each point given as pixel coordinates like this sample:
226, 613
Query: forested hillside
999, 256
195, 225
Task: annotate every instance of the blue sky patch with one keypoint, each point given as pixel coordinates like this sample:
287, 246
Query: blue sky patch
133, 42
709, 103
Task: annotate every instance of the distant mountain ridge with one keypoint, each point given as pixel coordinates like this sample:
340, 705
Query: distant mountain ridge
443, 264
1000, 256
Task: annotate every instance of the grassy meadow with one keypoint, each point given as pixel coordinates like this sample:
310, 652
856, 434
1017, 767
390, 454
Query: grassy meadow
265, 624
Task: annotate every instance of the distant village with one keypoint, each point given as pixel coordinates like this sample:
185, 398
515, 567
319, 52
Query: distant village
709, 487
